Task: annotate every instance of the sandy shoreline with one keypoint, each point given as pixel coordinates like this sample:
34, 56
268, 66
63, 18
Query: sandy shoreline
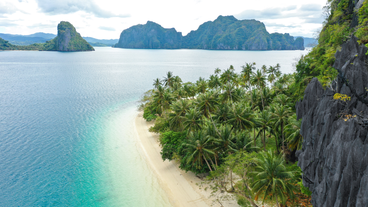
179, 185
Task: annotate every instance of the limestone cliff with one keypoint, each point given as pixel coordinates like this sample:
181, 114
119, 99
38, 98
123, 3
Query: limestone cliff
68, 39
334, 156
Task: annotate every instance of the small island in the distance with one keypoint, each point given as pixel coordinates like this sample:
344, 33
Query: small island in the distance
67, 40
225, 33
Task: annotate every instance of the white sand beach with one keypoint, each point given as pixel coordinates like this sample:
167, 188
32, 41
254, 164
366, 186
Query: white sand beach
180, 186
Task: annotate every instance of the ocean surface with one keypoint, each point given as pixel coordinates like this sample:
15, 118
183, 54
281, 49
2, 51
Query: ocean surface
67, 133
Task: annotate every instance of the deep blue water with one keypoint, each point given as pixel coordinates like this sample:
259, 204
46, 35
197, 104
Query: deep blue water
66, 121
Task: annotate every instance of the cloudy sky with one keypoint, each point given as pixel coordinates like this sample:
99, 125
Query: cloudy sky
105, 19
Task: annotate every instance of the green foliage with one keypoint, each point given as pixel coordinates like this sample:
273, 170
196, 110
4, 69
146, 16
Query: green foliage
271, 179
149, 114
343, 97
338, 27
170, 143
161, 125
213, 125
304, 189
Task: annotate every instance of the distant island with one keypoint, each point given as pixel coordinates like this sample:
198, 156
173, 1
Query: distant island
41, 37
67, 40
225, 33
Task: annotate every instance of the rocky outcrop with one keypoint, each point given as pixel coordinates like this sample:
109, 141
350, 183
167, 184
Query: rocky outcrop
150, 36
225, 33
67, 40
334, 156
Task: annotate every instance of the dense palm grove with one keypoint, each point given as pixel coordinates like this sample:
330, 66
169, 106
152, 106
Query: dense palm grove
241, 128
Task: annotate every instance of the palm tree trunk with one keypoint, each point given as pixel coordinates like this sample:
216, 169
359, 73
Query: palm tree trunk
282, 135
277, 145
207, 162
261, 90
213, 164
264, 140
254, 137
277, 202
231, 180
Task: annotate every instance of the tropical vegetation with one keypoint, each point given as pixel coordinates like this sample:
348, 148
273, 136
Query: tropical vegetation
241, 128
238, 127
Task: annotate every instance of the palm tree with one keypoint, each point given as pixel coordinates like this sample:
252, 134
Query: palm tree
157, 82
168, 80
259, 80
273, 73
292, 130
241, 117
280, 118
198, 147
176, 117
158, 99
167, 99
243, 142
264, 69
271, 179
189, 89
264, 121
228, 76
192, 120
207, 103
281, 99
202, 85
214, 81
217, 71
222, 113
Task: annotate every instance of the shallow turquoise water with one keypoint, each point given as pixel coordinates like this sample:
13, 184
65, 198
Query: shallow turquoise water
66, 121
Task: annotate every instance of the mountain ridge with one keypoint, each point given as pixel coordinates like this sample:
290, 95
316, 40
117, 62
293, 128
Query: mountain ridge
224, 33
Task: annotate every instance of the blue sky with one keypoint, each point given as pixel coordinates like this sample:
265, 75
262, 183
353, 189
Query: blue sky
105, 19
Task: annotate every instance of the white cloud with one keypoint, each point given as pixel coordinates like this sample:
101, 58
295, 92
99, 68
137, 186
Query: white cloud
55, 7
106, 19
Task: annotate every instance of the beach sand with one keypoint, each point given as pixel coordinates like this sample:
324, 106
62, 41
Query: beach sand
179, 185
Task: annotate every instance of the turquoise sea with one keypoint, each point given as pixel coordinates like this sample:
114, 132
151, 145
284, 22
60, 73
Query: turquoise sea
66, 121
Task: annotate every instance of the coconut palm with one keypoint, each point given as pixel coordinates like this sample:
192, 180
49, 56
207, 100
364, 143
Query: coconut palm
189, 89
292, 131
168, 80
281, 99
202, 85
242, 142
222, 113
247, 71
198, 147
228, 76
280, 117
217, 71
158, 99
207, 103
214, 81
273, 73
176, 117
264, 122
157, 82
192, 120
259, 80
271, 179
241, 117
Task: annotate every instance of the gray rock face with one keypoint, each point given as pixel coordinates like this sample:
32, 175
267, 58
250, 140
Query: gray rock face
334, 157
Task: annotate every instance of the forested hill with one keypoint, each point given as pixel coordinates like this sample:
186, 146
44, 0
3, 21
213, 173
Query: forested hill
68, 39
225, 33
150, 36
